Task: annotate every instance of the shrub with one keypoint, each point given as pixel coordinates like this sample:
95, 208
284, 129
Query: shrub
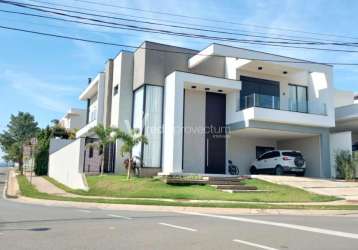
41, 161
345, 165
42, 152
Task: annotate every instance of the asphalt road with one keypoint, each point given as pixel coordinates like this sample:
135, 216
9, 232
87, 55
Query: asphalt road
25, 226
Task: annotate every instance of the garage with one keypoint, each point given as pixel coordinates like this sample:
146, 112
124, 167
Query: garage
245, 145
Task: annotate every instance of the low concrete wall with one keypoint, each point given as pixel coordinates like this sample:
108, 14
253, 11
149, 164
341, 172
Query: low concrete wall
65, 165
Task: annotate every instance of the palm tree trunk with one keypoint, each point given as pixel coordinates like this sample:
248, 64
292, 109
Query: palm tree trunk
102, 163
129, 166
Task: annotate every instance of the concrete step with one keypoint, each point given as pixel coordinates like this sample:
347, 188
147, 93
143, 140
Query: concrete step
235, 187
230, 182
245, 191
212, 178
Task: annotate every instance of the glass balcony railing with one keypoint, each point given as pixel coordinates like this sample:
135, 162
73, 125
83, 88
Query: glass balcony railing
273, 102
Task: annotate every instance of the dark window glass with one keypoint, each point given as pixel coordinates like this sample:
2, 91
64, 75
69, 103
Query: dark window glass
292, 154
90, 154
100, 150
115, 91
275, 154
264, 156
269, 155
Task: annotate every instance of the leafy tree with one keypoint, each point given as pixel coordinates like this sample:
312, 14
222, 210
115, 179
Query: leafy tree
20, 130
105, 138
130, 140
42, 151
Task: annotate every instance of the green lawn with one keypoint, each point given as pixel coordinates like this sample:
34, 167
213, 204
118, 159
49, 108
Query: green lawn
30, 191
119, 186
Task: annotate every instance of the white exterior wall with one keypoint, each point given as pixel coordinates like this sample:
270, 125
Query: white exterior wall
56, 144
173, 112
310, 148
66, 163
343, 98
242, 150
122, 102
173, 123
97, 90
339, 141
194, 136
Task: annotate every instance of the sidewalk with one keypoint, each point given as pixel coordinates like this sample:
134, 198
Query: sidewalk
44, 186
342, 189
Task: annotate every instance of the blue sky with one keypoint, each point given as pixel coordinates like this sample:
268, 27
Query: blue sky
45, 76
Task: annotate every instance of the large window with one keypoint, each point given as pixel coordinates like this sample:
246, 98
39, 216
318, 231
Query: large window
298, 98
147, 116
138, 117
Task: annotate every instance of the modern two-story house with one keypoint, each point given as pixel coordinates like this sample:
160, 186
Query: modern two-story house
200, 109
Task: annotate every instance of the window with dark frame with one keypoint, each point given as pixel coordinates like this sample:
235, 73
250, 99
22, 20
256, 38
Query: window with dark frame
298, 98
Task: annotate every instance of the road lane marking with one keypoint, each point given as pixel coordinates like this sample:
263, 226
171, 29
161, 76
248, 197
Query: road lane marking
280, 224
84, 211
177, 227
119, 216
254, 244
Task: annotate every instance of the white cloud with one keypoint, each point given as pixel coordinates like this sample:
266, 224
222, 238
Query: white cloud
46, 95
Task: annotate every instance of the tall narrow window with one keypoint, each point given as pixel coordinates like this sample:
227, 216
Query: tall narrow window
138, 117
152, 125
298, 100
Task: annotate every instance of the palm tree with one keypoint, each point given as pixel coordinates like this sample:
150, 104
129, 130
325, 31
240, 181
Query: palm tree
105, 138
130, 140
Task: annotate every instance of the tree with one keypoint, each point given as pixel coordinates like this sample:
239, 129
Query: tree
130, 140
105, 138
20, 130
42, 151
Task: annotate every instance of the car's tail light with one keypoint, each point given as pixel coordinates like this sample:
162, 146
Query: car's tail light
285, 158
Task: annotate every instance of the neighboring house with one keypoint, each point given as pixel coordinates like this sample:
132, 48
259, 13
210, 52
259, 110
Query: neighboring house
199, 109
74, 119
345, 134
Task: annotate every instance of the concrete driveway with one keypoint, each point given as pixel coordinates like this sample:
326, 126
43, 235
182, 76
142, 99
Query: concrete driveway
343, 189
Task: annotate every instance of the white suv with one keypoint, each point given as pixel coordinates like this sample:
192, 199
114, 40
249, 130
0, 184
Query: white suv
279, 162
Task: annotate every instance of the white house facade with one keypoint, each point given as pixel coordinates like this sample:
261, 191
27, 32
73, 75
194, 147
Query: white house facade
200, 109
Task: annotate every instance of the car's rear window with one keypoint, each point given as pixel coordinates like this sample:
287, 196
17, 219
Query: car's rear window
292, 154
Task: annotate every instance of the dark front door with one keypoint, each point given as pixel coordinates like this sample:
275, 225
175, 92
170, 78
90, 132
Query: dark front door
215, 142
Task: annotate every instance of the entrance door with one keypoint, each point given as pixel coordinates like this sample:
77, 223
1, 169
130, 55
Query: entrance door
215, 143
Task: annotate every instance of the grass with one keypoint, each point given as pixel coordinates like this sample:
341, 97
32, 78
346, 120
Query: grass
119, 186
27, 189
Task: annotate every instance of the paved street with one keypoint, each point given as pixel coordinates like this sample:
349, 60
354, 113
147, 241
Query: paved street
25, 226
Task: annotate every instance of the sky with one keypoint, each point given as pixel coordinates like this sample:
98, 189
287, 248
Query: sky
45, 76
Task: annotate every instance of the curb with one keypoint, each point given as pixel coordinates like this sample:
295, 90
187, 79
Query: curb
179, 209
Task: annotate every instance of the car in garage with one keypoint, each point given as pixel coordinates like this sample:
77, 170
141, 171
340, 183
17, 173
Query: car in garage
280, 162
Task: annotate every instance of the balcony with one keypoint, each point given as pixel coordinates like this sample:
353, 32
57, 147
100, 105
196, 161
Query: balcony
273, 102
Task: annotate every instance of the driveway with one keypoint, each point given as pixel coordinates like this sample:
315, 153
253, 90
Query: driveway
342, 189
